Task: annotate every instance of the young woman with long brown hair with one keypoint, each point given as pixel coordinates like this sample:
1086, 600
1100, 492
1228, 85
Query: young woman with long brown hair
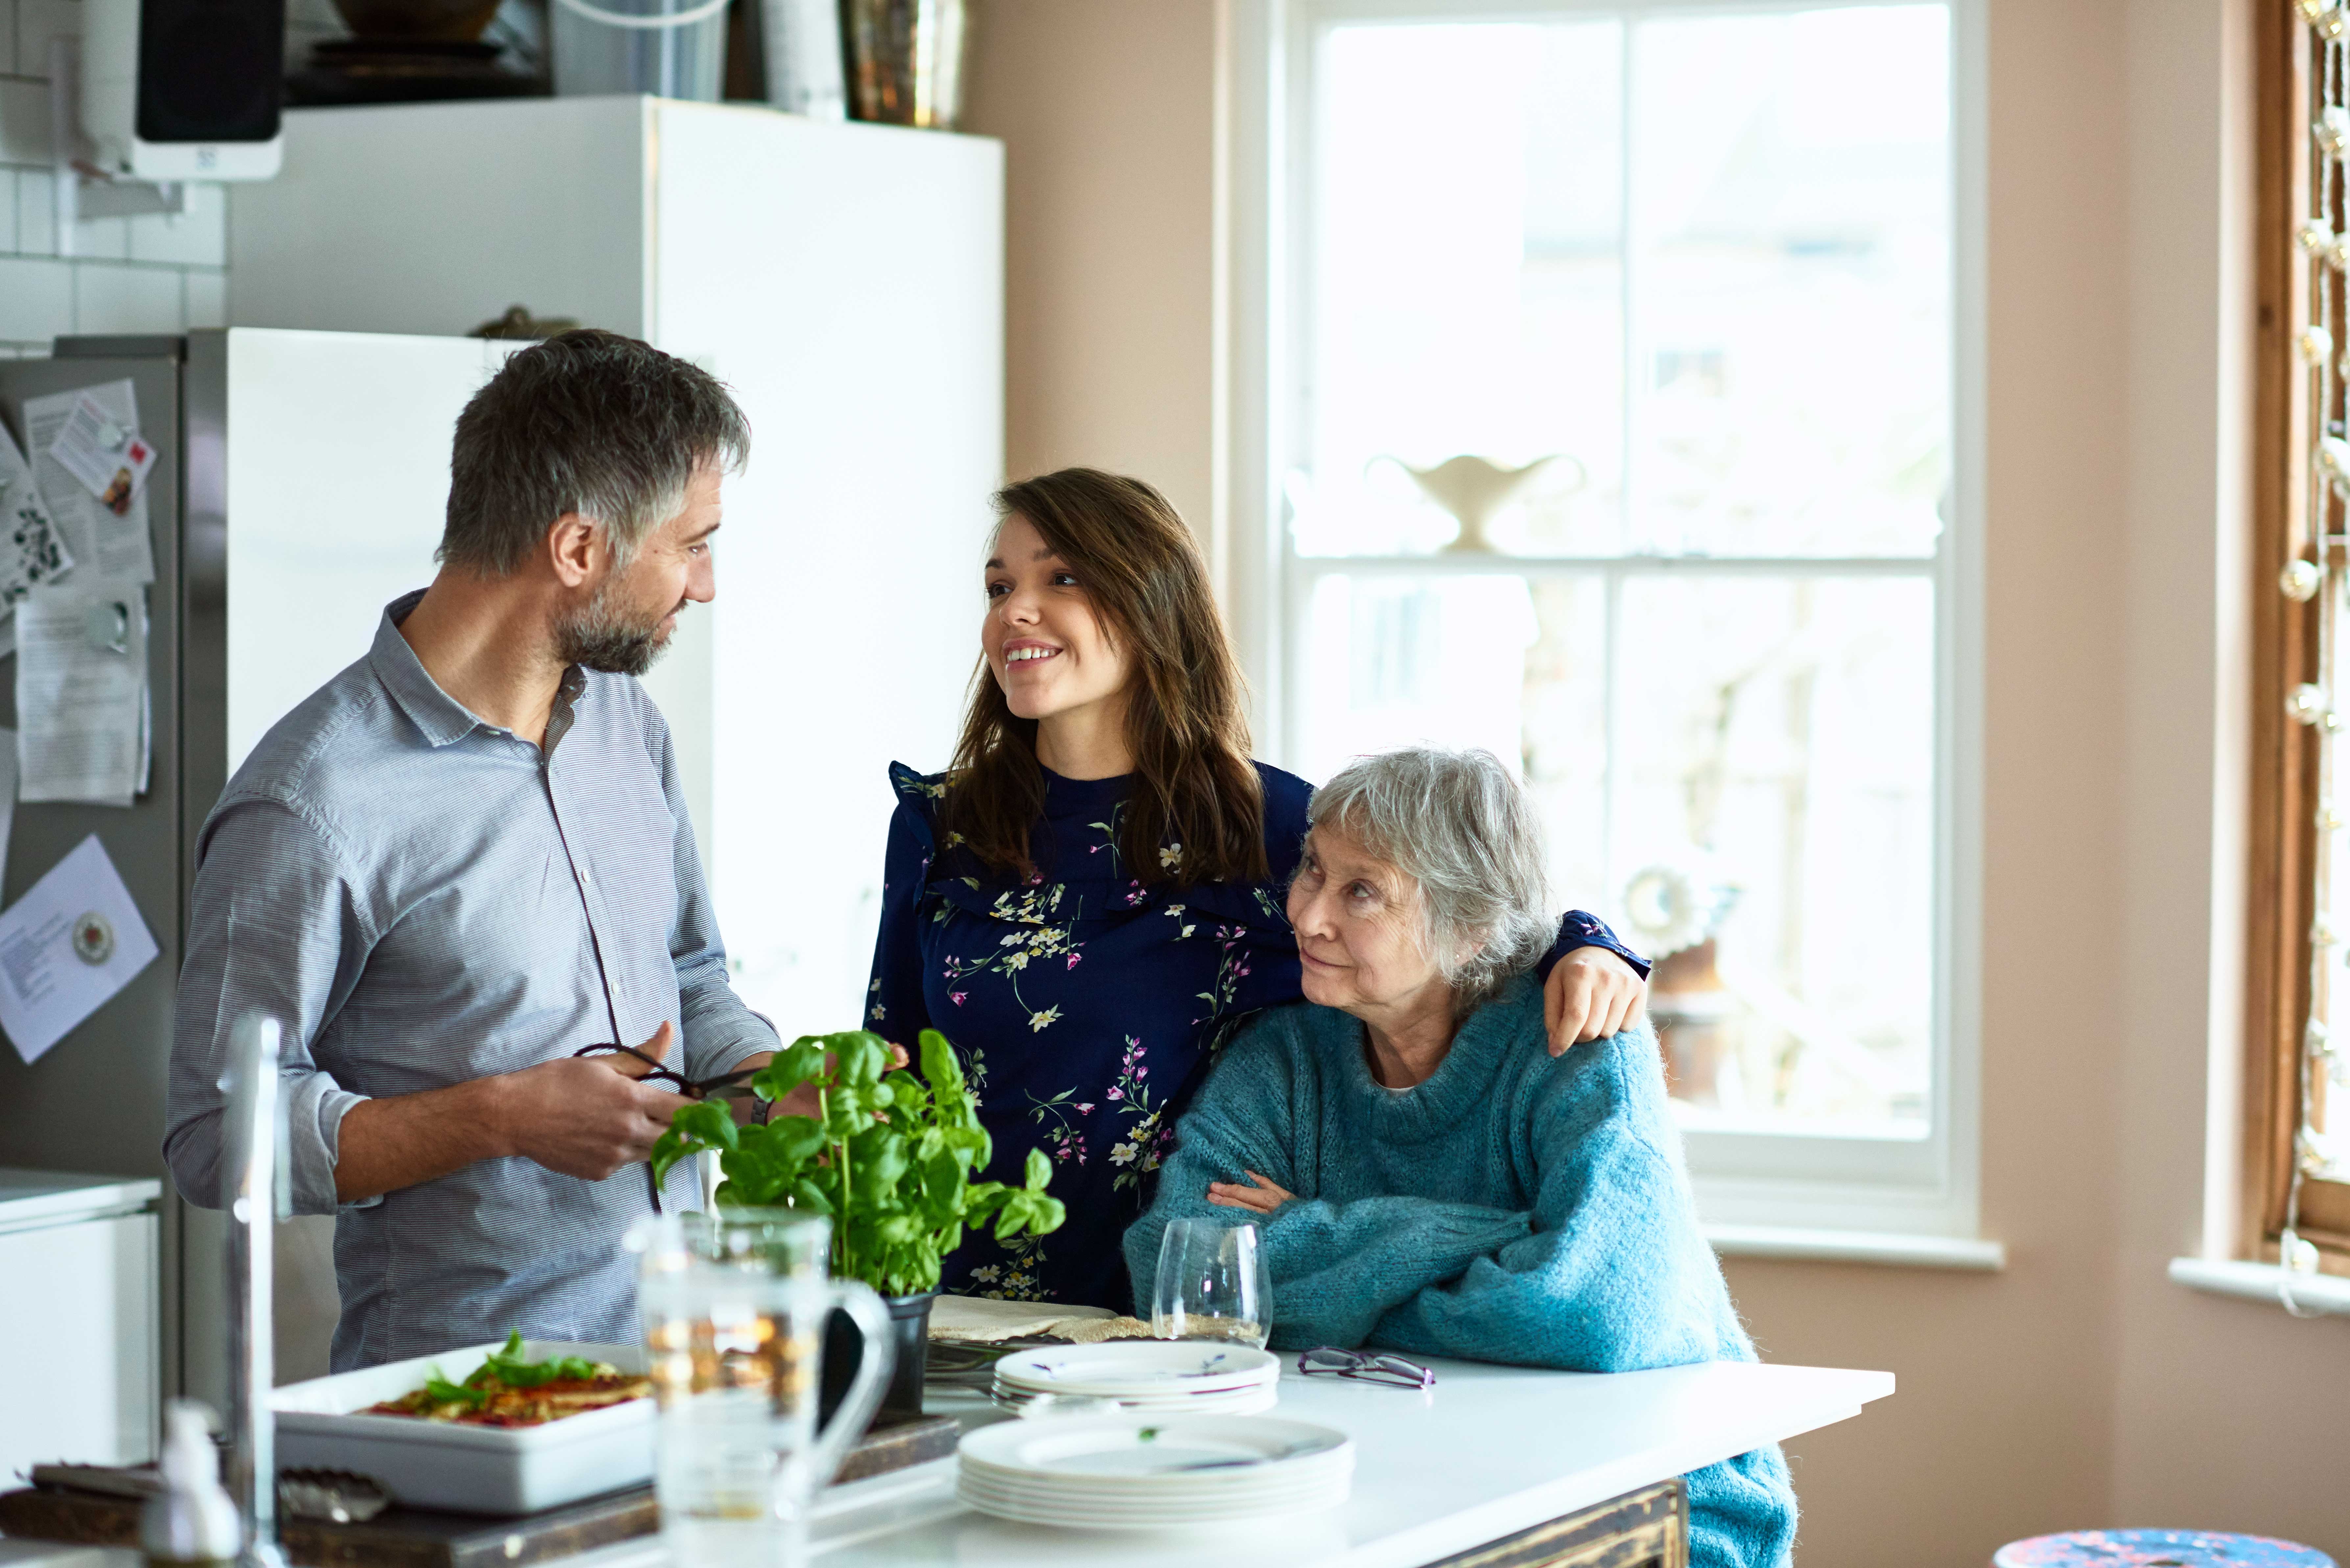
1091, 897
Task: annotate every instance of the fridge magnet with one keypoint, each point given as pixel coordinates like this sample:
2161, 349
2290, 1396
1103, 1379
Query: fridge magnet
93, 938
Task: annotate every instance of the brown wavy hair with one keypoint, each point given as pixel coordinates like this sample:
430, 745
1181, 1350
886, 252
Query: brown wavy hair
1193, 783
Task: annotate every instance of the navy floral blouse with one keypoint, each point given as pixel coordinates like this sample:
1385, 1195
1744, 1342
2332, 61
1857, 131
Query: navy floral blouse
1087, 1006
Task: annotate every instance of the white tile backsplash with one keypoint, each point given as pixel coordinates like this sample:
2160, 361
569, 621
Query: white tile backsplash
128, 298
102, 239
24, 122
207, 299
196, 237
35, 299
36, 212
152, 273
37, 22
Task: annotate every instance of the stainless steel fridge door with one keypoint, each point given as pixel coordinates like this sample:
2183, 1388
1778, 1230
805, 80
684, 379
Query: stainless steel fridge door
94, 1103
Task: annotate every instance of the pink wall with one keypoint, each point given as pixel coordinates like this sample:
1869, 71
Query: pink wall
2079, 1386
1108, 111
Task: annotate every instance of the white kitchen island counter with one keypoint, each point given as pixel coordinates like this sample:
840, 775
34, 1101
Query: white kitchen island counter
1488, 1451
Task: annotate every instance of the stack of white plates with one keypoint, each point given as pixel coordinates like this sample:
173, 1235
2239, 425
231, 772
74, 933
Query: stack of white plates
1122, 1472
1153, 1376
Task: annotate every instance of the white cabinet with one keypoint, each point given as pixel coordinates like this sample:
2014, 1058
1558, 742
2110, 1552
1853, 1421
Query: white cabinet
847, 281
78, 1308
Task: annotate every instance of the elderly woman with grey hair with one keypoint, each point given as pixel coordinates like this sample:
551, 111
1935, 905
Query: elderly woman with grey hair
1426, 1180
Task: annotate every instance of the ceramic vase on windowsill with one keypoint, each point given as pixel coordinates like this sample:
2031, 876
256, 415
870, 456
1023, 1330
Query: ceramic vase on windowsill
1471, 488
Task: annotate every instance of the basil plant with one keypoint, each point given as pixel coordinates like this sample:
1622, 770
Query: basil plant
888, 1155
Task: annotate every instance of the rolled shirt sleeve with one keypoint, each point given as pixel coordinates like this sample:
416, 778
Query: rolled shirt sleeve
424, 898
277, 926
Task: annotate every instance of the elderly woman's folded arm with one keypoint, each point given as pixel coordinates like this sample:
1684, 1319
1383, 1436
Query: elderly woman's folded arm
1604, 1274
1336, 1267
1614, 1276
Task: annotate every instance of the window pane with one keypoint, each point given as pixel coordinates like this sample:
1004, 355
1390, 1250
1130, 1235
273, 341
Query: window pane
1762, 827
1781, 247
1518, 668
1790, 245
1774, 758
1465, 280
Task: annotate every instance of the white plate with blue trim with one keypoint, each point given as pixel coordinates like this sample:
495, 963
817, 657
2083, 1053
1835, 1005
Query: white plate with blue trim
1152, 1473
1138, 1367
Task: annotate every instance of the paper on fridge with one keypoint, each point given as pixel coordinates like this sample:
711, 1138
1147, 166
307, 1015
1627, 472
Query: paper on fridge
102, 541
67, 946
81, 692
111, 459
31, 551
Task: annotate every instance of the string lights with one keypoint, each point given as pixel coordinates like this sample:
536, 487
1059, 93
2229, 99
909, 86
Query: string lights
2315, 577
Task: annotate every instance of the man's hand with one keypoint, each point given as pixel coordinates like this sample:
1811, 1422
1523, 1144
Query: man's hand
587, 1115
1591, 994
1261, 1198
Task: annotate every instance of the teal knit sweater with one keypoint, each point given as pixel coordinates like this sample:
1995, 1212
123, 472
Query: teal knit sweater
1514, 1208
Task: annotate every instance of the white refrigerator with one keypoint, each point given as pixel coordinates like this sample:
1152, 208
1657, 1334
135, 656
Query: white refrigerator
847, 281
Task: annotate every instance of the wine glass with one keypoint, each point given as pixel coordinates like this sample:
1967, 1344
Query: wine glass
1213, 1284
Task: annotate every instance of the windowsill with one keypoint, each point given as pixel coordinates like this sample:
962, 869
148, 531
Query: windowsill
2328, 1293
1882, 1247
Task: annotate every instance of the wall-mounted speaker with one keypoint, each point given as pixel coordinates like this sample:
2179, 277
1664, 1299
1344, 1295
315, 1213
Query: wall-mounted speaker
184, 90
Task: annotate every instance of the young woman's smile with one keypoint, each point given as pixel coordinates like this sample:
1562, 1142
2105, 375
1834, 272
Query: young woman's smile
1048, 649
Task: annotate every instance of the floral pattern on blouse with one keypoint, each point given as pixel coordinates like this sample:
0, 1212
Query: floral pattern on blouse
1086, 1005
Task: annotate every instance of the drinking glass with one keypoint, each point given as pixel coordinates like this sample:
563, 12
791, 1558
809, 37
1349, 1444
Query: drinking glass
1213, 1284
734, 1306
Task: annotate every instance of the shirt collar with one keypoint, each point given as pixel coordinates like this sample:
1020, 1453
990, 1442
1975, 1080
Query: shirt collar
441, 717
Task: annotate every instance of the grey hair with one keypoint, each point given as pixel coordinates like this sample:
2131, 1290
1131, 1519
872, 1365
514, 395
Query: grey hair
1458, 825
588, 421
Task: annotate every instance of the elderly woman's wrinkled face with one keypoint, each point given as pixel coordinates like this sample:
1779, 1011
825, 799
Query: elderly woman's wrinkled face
1358, 930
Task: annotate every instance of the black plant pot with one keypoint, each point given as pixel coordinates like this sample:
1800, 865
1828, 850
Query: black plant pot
844, 1351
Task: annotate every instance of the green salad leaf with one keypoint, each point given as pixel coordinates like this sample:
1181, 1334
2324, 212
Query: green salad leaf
888, 1157
507, 1368
444, 1392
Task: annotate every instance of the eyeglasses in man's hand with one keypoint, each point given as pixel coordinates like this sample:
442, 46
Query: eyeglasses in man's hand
667, 1078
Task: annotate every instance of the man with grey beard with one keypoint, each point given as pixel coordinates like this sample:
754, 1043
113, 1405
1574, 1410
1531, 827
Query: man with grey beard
461, 876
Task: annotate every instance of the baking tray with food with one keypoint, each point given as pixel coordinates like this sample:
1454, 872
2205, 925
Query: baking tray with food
491, 1428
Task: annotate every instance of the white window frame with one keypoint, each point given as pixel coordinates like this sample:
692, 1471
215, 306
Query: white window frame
1763, 1188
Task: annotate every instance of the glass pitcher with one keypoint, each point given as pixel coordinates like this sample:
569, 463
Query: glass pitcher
734, 1306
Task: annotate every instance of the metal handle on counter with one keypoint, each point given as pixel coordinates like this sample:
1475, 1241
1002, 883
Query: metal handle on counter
257, 1130
866, 1309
